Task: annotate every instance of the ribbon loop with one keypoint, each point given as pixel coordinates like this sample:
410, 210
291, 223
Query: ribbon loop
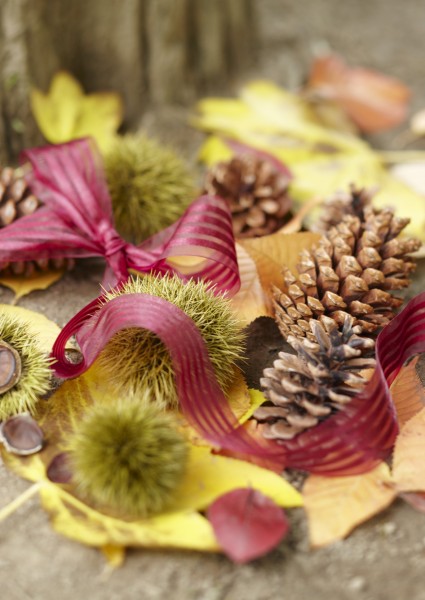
76, 221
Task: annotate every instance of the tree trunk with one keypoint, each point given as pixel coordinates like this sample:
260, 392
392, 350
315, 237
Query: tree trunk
153, 52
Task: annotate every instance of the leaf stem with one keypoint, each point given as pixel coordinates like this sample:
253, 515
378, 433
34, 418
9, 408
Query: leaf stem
13, 506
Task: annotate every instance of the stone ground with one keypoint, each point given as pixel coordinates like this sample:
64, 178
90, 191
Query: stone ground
382, 560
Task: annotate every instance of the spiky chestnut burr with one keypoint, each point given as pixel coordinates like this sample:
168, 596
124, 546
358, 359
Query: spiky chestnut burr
127, 457
141, 361
24, 368
150, 186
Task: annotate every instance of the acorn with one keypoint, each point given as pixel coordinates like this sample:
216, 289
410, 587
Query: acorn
149, 184
127, 457
141, 360
24, 368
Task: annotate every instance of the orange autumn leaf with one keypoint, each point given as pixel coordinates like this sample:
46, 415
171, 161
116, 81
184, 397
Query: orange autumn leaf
336, 505
407, 392
408, 462
374, 101
271, 253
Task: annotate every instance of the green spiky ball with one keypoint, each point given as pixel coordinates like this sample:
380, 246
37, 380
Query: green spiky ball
35, 377
150, 186
128, 457
141, 361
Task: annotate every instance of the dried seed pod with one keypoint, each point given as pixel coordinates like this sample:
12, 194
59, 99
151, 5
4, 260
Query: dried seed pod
127, 457
25, 373
256, 192
10, 367
150, 186
21, 435
352, 270
321, 378
141, 361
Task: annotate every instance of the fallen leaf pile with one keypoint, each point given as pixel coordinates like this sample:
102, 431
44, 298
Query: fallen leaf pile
228, 499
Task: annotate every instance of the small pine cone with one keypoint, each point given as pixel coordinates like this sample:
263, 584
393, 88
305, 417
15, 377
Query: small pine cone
352, 270
340, 205
17, 200
256, 191
304, 389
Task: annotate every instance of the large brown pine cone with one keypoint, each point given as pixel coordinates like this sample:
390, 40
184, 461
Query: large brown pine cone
353, 269
256, 192
306, 388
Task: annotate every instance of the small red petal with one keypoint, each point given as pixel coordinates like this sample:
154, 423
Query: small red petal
247, 524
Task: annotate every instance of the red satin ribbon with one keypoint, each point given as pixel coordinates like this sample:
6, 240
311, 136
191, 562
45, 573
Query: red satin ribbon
76, 221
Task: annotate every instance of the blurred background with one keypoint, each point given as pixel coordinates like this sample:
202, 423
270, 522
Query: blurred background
167, 53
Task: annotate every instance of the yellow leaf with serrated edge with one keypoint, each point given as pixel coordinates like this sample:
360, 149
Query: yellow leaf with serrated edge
25, 285
206, 478
66, 113
271, 253
250, 302
336, 505
40, 326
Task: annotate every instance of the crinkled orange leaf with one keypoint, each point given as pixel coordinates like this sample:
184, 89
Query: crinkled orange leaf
271, 253
374, 101
409, 451
407, 392
66, 113
336, 505
25, 285
249, 303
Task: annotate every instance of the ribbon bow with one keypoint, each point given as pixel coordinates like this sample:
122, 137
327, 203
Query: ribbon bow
76, 221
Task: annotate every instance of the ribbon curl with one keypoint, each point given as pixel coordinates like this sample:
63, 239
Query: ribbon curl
76, 221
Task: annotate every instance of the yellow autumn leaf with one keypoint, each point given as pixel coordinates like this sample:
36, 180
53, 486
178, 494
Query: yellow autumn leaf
408, 461
25, 285
40, 326
207, 477
271, 253
336, 505
250, 302
66, 112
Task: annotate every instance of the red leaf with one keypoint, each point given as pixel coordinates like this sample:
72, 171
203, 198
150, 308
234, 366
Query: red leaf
372, 100
247, 524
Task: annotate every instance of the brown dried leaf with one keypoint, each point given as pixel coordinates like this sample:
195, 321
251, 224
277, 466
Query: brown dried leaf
408, 463
336, 505
271, 253
407, 392
374, 101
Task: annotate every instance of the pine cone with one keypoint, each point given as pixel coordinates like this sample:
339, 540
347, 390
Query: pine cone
307, 388
353, 269
17, 200
256, 191
340, 205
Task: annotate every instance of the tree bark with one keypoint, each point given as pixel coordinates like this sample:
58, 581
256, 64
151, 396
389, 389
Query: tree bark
153, 52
